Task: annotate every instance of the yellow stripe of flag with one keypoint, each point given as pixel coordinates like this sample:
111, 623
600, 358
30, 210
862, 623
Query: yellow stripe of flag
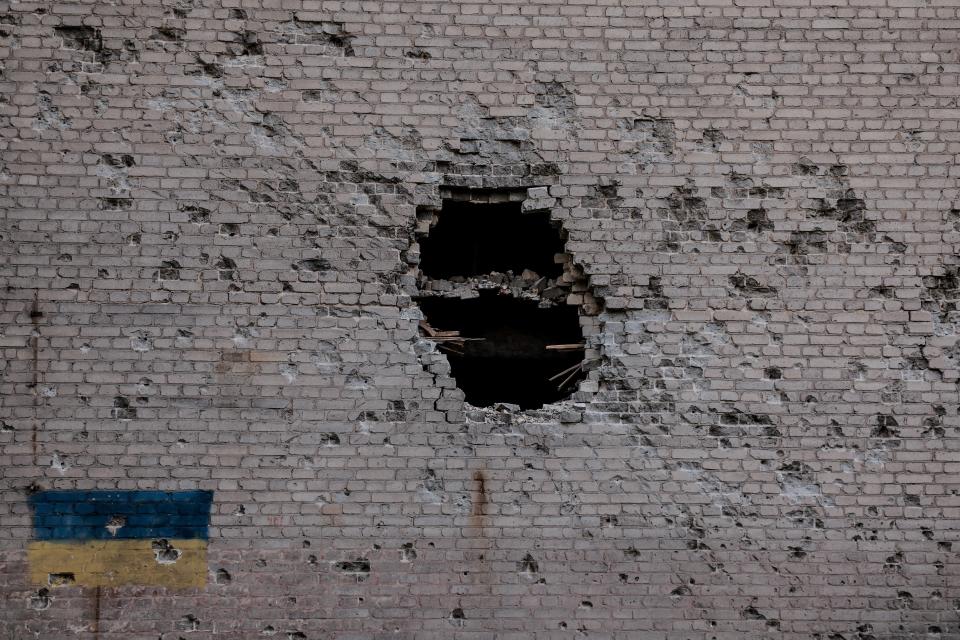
108, 563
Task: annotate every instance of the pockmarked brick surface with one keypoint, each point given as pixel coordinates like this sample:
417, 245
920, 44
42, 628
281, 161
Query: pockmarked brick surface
209, 250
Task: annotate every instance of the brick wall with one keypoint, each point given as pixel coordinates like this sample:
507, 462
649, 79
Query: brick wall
211, 216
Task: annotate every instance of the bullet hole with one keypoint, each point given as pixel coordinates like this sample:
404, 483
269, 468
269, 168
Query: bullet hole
114, 524
195, 213
40, 600
805, 167
168, 34
407, 552
328, 439
246, 43
229, 229
312, 265
849, 211
338, 37
140, 342
528, 565
268, 631
115, 204
757, 221
886, 427
737, 417
315, 95
61, 579
169, 270
417, 54
773, 373
204, 68
457, 617
359, 568
750, 286
686, 210
122, 409
164, 552
188, 623
222, 576
296, 635
751, 613
682, 590
803, 243
586, 604
713, 138
124, 161
80, 38
894, 245
226, 268
49, 115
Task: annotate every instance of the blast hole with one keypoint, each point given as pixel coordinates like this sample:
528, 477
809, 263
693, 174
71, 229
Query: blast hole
471, 239
510, 363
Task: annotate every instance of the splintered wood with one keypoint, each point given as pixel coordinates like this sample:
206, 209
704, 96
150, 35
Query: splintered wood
449, 341
565, 347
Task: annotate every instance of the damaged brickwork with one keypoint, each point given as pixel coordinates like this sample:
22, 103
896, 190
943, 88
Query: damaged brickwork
217, 275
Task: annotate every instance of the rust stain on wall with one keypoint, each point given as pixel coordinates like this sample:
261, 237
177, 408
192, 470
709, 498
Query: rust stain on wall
480, 498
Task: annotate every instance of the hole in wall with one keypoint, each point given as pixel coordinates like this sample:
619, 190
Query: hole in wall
495, 291
504, 355
471, 239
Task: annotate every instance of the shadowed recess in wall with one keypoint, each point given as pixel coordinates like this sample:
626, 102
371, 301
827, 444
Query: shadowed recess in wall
495, 286
110, 538
505, 356
472, 239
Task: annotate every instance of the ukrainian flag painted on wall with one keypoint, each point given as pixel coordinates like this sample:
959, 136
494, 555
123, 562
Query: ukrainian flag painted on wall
113, 538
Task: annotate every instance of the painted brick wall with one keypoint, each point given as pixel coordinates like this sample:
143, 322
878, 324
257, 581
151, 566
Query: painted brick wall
209, 242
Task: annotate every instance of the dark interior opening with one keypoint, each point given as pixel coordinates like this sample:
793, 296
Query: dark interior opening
510, 362
472, 239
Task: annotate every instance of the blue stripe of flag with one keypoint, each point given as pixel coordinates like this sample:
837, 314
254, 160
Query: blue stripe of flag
84, 515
